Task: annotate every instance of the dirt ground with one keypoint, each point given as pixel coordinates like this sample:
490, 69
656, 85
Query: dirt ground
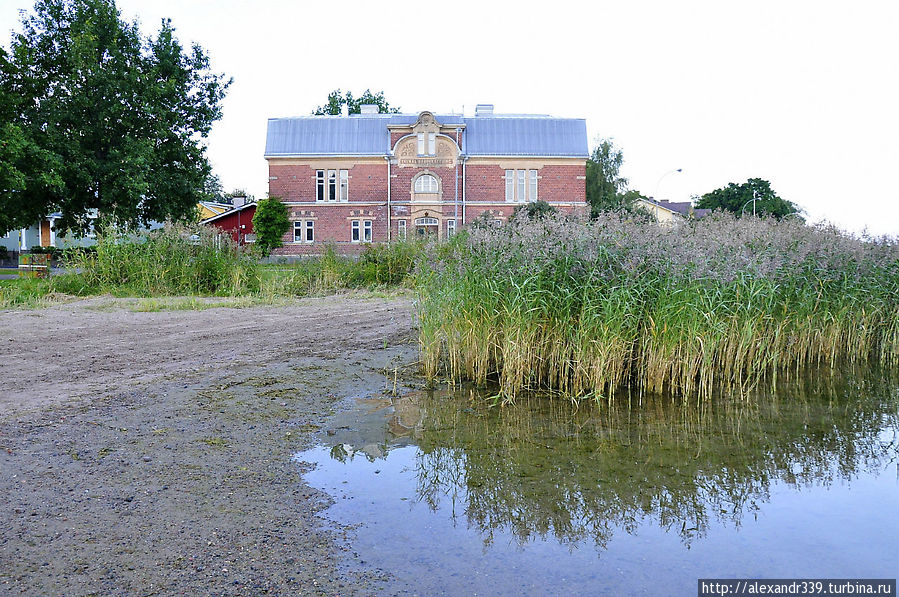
149, 453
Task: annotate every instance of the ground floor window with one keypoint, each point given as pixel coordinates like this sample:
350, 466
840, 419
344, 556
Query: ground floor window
450, 228
360, 231
401, 229
304, 231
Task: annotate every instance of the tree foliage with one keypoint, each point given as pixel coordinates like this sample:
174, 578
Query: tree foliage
536, 210
337, 99
738, 199
112, 122
605, 185
270, 223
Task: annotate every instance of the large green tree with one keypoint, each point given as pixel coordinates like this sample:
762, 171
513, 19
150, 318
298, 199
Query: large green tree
337, 99
118, 120
606, 188
753, 196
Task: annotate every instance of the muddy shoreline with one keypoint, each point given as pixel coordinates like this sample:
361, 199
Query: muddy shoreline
149, 453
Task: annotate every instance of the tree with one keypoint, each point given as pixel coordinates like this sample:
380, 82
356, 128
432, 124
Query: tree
337, 99
23, 164
739, 199
536, 210
270, 223
119, 119
238, 192
605, 186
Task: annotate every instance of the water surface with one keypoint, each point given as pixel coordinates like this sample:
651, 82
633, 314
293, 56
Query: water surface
454, 497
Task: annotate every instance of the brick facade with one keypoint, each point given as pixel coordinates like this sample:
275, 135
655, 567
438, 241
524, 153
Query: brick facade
468, 186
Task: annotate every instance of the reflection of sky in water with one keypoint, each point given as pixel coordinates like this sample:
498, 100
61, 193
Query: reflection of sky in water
838, 519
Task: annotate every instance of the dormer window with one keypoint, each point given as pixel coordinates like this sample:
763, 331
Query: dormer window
427, 143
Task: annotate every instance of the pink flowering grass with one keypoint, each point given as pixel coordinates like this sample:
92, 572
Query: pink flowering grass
584, 308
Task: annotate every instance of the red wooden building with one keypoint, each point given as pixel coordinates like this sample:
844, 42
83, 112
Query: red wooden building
237, 222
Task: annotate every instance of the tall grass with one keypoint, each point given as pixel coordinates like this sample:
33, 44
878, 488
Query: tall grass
584, 308
171, 261
183, 261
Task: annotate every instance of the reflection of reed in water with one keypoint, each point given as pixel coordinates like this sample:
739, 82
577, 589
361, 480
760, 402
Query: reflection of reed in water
541, 468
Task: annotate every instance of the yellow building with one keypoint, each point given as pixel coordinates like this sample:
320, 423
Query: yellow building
670, 212
209, 209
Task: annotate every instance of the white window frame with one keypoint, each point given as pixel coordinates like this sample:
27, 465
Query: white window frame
401, 229
361, 231
432, 143
421, 143
433, 185
332, 185
302, 230
521, 185
344, 185
450, 228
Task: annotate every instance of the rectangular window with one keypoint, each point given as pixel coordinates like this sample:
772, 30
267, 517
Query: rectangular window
332, 185
304, 231
521, 185
401, 229
344, 185
522, 181
421, 143
432, 143
360, 231
450, 228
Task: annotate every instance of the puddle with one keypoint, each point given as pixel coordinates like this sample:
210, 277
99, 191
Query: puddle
453, 497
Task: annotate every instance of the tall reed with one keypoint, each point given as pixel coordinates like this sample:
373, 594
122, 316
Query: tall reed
585, 307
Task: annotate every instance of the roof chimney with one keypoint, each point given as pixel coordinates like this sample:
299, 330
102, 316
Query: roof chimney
483, 110
369, 108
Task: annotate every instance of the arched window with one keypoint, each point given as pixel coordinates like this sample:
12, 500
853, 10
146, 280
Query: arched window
426, 183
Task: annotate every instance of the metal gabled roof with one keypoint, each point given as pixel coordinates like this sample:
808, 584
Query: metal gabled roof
326, 135
526, 136
367, 135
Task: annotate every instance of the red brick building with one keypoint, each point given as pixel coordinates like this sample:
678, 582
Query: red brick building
351, 180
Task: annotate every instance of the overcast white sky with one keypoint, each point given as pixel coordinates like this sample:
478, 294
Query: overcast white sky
804, 94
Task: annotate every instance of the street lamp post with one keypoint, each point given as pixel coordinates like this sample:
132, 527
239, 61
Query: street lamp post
661, 178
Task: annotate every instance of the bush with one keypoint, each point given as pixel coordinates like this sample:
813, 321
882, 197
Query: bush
270, 223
